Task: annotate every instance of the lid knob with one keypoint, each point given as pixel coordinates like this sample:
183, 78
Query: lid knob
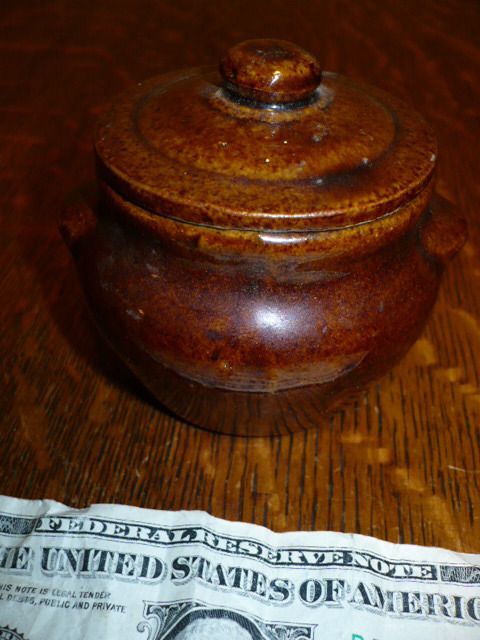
270, 72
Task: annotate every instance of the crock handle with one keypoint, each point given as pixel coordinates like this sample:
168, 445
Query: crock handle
444, 231
76, 222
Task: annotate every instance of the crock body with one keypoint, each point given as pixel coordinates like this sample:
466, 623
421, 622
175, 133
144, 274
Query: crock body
255, 333
265, 241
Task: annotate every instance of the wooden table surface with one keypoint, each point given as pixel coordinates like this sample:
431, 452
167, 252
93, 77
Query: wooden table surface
403, 463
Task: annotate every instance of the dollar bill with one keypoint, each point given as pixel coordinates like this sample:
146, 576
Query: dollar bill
112, 572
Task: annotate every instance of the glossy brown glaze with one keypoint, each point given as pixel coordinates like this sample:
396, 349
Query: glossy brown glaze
263, 318
236, 333
180, 146
270, 72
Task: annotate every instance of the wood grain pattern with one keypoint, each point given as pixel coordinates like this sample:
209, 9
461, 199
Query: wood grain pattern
403, 463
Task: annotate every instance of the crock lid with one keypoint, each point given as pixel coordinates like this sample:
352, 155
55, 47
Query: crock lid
268, 141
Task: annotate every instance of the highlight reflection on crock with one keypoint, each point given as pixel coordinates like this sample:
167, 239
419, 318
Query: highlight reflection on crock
110, 570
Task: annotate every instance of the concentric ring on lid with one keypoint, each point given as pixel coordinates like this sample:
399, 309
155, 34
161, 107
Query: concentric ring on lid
181, 147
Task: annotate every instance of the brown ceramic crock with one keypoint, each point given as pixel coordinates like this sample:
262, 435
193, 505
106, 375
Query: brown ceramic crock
266, 239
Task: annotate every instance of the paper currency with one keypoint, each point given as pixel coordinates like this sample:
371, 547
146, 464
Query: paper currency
112, 572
